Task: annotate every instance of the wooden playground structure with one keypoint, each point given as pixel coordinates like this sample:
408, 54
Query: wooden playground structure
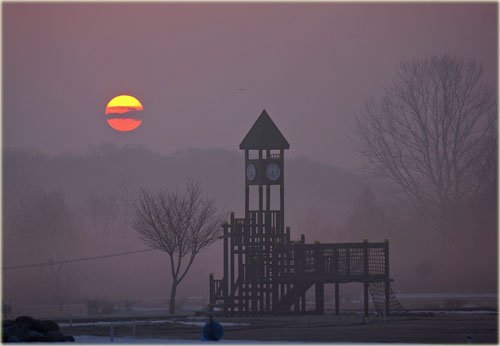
264, 271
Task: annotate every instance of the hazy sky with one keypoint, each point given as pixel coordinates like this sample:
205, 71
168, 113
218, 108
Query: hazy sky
309, 65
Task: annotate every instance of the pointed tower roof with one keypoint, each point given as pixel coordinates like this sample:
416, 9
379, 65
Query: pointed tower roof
264, 134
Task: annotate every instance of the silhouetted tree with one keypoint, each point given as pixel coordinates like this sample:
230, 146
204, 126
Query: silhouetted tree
39, 224
179, 224
102, 208
63, 281
433, 135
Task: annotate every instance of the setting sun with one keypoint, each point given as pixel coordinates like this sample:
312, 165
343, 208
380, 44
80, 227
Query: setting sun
119, 111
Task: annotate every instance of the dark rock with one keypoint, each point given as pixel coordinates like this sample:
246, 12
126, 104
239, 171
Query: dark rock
24, 319
56, 336
30, 322
22, 331
7, 332
49, 326
34, 334
28, 329
13, 338
7, 323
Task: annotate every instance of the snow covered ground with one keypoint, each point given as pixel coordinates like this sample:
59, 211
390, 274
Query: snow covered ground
87, 339
460, 312
142, 322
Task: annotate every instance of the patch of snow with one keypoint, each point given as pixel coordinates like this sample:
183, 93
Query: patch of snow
224, 324
137, 309
445, 295
142, 322
89, 339
487, 312
115, 323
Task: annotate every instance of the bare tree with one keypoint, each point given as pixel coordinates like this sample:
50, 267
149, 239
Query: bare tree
179, 224
102, 210
433, 134
38, 223
62, 280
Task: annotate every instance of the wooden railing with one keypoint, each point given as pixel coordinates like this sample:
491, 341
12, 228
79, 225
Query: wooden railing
334, 261
215, 289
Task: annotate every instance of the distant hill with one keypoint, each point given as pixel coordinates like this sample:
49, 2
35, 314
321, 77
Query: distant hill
315, 194
322, 202
308, 184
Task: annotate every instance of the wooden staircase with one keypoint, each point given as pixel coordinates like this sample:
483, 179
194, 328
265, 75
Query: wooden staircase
291, 297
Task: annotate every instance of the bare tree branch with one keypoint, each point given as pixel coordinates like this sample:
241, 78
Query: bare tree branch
179, 224
433, 134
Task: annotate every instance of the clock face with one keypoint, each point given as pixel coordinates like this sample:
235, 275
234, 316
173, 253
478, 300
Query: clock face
273, 171
251, 171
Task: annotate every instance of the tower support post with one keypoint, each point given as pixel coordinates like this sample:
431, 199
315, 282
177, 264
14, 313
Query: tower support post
337, 300
387, 284
366, 274
320, 298
366, 298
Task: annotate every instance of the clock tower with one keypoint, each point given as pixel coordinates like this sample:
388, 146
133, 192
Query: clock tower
264, 271
264, 147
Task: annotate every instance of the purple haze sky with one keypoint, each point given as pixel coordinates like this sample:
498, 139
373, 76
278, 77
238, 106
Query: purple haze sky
309, 65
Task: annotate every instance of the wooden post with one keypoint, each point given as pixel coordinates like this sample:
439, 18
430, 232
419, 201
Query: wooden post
244, 292
348, 262
225, 281
282, 291
296, 297
268, 244
335, 264
211, 288
337, 300
261, 201
297, 256
111, 332
241, 273
366, 275
366, 298
320, 298
247, 187
387, 283
231, 260
282, 188
258, 236
303, 302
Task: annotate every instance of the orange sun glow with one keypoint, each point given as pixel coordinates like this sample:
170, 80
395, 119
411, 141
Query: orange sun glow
120, 113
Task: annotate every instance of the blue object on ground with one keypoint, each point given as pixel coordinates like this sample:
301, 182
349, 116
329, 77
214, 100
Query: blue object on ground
213, 331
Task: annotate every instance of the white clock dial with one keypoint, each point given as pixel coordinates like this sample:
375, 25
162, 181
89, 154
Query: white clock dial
273, 171
251, 171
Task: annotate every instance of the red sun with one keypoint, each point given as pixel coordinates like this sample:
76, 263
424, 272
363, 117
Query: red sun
122, 113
